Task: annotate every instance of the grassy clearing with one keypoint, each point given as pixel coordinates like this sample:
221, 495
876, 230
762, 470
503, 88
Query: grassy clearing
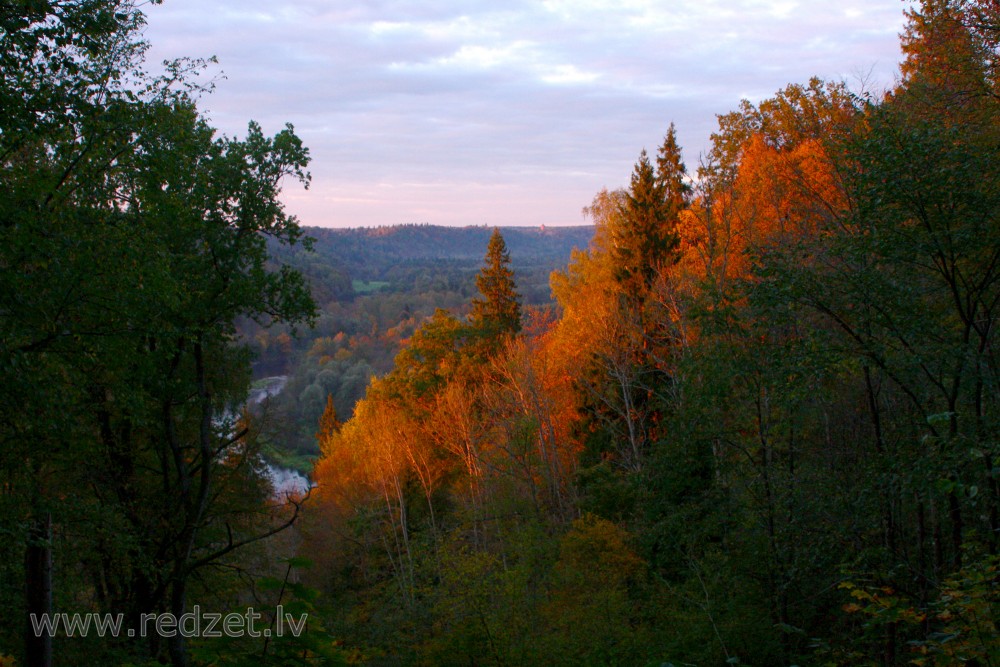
367, 287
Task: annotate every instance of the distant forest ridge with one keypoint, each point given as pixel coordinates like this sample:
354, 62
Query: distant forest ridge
362, 251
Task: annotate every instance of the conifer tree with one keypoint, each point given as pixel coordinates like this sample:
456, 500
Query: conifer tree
329, 423
645, 238
671, 175
499, 311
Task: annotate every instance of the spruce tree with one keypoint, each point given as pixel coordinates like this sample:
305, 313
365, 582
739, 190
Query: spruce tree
671, 176
645, 238
329, 423
498, 312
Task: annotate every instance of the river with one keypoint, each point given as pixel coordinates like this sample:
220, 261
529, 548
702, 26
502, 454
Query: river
284, 480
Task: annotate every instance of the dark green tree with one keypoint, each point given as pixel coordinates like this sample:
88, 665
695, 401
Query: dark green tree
498, 312
639, 241
133, 240
671, 176
645, 239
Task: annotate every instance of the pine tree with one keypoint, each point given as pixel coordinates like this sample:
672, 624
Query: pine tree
499, 311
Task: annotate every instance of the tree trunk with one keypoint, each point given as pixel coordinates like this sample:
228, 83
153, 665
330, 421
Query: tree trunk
38, 578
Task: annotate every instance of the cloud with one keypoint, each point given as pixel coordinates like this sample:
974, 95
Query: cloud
475, 112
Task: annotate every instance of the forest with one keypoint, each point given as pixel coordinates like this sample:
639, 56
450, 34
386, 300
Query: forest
756, 423
373, 288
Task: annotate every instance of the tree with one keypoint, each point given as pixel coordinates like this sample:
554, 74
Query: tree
645, 239
671, 176
949, 48
328, 422
134, 239
498, 312
641, 240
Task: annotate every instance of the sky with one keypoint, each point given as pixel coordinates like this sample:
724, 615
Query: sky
473, 112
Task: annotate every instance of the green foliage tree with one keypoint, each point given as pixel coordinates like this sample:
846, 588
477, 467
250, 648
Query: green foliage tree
672, 178
644, 241
498, 312
134, 239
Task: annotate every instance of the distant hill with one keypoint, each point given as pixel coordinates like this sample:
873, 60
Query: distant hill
366, 253
403, 258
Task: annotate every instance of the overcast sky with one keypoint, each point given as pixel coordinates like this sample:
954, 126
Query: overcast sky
468, 112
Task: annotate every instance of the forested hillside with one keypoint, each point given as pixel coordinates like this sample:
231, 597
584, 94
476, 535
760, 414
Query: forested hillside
371, 253
752, 419
761, 430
